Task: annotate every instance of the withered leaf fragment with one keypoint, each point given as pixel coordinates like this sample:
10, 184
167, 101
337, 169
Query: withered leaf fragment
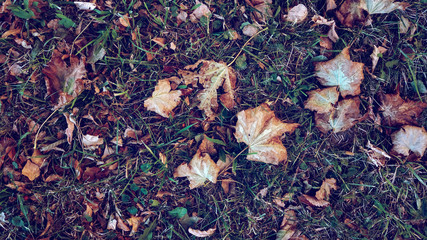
341, 72
288, 226
376, 155
64, 83
261, 130
343, 117
212, 75
325, 190
374, 56
322, 100
297, 14
200, 169
199, 233
163, 100
31, 170
410, 138
396, 111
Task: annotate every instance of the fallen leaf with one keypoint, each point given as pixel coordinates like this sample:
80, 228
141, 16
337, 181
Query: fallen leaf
374, 56
384, 6
160, 41
199, 12
91, 142
410, 138
163, 159
330, 5
53, 177
312, 201
212, 75
37, 158
124, 20
70, 127
288, 226
134, 222
341, 72
31, 170
163, 100
322, 100
396, 111
343, 117
207, 146
263, 10
376, 155
112, 223
64, 83
319, 20
261, 130
297, 14
325, 190
200, 169
85, 5
404, 25
250, 30
199, 233
181, 17
121, 225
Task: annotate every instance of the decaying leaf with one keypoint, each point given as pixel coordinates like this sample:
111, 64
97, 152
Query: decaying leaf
163, 100
343, 117
31, 170
330, 5
134, 222
64, 83
263, 9
322, 100
341, 72
70, 127
325, 190
91, 142
250, 30
288, 226
312, 201
212, 75
410, 139
376, 155
261, 130
396, 111
374, 56
199, 233
384, 6
200, 169
201, 11
297, 14
121, 224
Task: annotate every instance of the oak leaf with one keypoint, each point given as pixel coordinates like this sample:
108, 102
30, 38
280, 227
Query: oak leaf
163, 100
200, 169
341, 72
261, 130
322, 100
396, 111
212, 75
64, 83
343, 117
199, 233
325, 190
410, 138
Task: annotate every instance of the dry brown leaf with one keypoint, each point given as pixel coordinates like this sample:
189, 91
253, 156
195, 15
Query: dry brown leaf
200, 169
250, 30
404, 25
163, 100
288, 225
31, 170
375, 57
70, 127
261, 130
160, 41
396, 111
199, 233
212, 75
91, 142
325, 190
341, 72
384, 6
207, 146
343, 117
121, 225
181, 17
312, 201
124, 20
64, 83
53, 177
330, 5
263, 10
322, 100
319, 20
134, 222
201, 11
163, 159
297, 14
225, 184
410, 139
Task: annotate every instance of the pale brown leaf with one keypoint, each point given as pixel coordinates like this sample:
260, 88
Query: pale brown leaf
325, 190
199, 233
396, 111
410, 139
31, 170
375, 56
163, 100
91, 142
322, 100
343, 117
297, 14
288, 225
312, 201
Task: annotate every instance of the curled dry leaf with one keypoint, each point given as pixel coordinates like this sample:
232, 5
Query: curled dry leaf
297, 14
322, 100
199, 233
212, 75
330, 5
374, 56
91, 142
396, 111
134, 222
325, 190
181, 17
64, 83
121, 224
163, 100
332, 34
70, 127
341, 72
343, 117
263, 9
410, 139
200, 169
261, 130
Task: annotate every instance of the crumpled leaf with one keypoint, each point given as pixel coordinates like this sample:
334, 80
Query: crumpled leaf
263, 9
330, 5
343, 117
297, 14
341, 72
332, 34
64, 83
325, 190
410, 138
163, 100
212, 75
374, 56
312, 201
70, 126
199, 233
200, 169
396, 111
134, 222
261, 130
322, 100
376, 155
91, 142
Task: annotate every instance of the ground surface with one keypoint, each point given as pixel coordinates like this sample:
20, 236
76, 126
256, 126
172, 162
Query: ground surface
106, 62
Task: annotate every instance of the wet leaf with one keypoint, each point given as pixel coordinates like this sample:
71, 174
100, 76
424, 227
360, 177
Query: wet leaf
261, 130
